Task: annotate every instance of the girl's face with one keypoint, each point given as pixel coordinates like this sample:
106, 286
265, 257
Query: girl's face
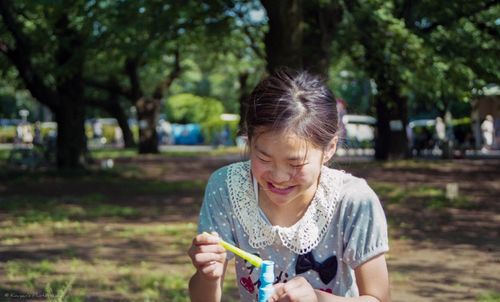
287, 167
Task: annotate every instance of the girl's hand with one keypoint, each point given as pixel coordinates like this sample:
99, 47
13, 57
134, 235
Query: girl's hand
296, 289
207, 256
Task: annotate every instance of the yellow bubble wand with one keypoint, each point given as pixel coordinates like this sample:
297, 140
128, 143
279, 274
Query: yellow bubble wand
267, 271
254, 260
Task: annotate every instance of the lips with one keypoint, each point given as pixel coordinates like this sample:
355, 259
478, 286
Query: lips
279, 190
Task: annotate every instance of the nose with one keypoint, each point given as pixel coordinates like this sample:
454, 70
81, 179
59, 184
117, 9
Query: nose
280, 175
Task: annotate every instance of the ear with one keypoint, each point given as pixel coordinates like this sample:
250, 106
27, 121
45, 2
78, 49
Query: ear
330, 150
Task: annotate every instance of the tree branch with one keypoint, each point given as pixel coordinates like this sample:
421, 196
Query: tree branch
253, 43
20, 56
110, 86
13, 26
174, 74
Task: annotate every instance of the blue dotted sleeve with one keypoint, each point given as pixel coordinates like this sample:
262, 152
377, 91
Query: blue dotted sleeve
216, 211
364, 226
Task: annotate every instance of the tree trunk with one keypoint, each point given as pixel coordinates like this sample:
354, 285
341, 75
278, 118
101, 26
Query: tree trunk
300, 34
243, 81
383, 133
148, 110
70, 112
66, 99
113, 107
321, 25
391, 142
400, 148
390, 107
70, 116
128, 138
284, 39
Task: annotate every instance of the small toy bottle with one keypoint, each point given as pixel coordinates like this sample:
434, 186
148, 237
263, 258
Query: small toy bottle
266, 288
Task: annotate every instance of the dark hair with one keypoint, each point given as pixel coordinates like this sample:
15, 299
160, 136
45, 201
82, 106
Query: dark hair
292, 101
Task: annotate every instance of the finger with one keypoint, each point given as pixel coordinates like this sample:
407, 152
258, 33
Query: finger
199, 257
201, 254
205, 238
211, 248
286, 291
203, 258
209, 268
278, 292
298, 289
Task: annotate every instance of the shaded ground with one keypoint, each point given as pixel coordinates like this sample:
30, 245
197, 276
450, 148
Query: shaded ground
133, 225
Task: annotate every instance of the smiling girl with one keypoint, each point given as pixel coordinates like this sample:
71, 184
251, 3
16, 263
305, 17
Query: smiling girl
324, 229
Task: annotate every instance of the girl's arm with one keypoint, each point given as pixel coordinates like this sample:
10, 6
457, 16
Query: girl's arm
209, 259
203, 289
372, 279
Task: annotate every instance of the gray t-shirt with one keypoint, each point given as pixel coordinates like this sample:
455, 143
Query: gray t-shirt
343, 227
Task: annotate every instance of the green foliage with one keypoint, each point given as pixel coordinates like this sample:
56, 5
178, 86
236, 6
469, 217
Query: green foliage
188, 108
7, 134
350, 83
37, 210
29, 271
431, 197
489, 297
434, 53
213, 128
57, 292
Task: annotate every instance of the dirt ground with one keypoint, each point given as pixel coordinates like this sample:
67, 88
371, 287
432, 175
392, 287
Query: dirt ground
447, 254
436, 254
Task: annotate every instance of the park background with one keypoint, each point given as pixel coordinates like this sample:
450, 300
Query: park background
114, 113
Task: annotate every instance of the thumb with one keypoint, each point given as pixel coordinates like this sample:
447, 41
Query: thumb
278, 291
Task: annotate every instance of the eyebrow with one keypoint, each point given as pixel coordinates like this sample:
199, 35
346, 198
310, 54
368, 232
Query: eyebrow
291, 158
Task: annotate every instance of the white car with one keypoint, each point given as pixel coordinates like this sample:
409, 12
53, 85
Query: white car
359, 130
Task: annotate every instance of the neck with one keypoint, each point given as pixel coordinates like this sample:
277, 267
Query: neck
287, 214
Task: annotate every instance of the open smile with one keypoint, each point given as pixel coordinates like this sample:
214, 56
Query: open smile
279, 190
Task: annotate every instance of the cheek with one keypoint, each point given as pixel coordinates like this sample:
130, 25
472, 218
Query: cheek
258, 169
306, 175
302, 177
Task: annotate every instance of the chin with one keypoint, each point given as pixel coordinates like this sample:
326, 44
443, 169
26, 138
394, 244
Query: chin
280, 199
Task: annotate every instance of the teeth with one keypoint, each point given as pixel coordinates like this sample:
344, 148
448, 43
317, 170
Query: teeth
278, 187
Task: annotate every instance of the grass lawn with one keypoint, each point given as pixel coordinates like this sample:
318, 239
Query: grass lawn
114, 235
122, 234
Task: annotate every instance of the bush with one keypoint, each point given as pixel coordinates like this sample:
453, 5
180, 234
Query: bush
187, 108
213, 128
7, 134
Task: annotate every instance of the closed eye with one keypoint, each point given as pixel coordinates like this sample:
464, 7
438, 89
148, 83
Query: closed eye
263, 160
298, 165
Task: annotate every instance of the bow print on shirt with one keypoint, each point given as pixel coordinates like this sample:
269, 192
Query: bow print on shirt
326, 270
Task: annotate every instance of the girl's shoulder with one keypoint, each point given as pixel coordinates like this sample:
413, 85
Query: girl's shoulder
354, 189
347, 179
222, 174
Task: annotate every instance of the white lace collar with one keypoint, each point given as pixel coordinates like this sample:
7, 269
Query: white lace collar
305, 234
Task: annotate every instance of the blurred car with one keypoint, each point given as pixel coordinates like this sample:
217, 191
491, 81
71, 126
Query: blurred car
359, 130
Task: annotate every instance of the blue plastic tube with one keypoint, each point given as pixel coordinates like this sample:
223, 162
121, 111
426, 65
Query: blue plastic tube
266, 288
